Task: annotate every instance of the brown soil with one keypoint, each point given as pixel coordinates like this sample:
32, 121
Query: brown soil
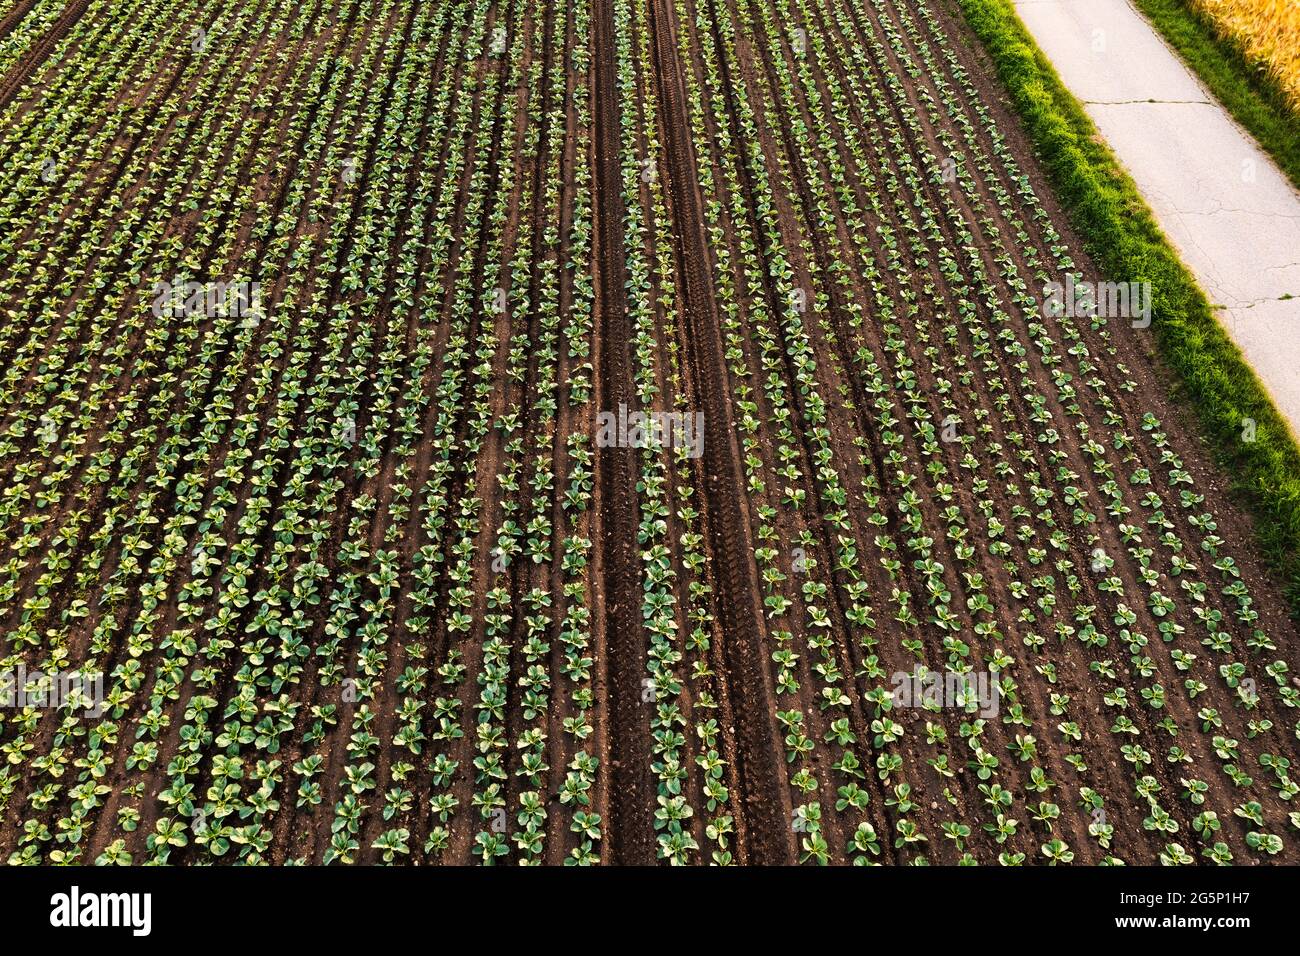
839, 186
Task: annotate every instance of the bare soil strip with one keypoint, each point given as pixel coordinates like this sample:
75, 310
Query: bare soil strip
741, 614
15, 17
38, 53
617, 620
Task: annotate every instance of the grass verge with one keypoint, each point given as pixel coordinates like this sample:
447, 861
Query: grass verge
1121, 235
1253, 98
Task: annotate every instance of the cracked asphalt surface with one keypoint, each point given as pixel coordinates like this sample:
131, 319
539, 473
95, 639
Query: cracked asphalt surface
1230, 212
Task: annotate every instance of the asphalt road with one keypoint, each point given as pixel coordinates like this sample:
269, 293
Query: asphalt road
1230, 212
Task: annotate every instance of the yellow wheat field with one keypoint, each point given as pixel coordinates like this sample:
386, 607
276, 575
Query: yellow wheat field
1269, 32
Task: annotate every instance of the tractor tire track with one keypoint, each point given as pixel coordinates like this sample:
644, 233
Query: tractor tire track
616, 624
16, 16
740, 616
25, 67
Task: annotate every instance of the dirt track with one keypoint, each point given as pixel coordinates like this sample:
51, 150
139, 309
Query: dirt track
731, 542
629, 790
37, 55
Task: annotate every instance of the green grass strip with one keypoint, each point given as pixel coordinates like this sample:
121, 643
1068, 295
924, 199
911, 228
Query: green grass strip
1121, 236
1246, 91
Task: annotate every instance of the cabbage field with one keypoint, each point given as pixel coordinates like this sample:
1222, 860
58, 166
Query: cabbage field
615, 432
